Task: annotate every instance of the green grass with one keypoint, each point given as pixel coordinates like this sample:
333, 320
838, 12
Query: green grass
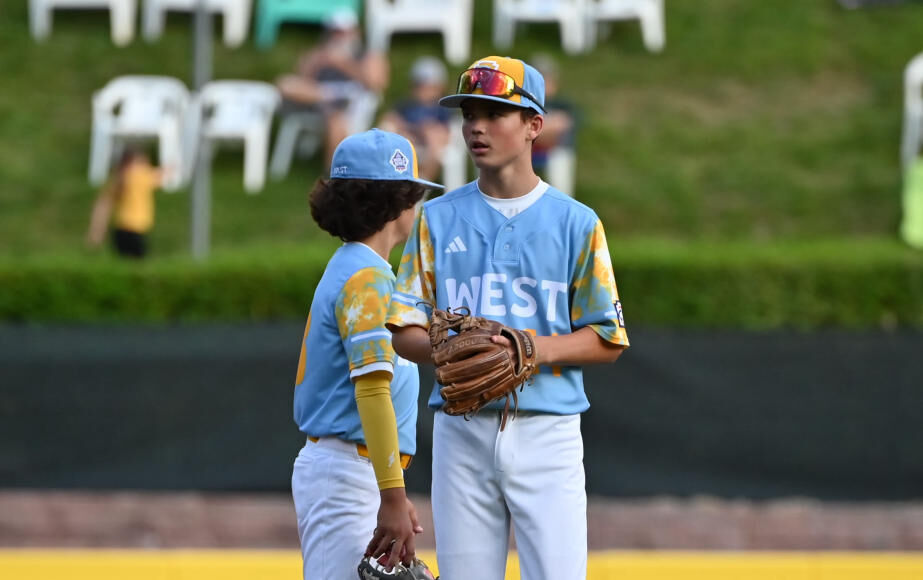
762, 123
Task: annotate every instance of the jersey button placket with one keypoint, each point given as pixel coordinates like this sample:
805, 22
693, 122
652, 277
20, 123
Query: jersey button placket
505, 245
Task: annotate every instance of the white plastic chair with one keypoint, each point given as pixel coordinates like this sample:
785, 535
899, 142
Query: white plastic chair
452, 18
561, 170
650, 13
569, 14
122, 14
455, 157
140, 107
302, 131
234, 110
913, 112
234, 13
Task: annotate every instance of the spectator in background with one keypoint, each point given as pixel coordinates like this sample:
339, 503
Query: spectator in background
420, 119
339, 78
129, 195
553, 153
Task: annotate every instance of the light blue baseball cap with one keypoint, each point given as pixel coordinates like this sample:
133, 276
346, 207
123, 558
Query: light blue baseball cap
527, 89
377, 154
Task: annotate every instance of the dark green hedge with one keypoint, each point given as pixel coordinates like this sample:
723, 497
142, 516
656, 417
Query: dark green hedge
171, 291
859, 284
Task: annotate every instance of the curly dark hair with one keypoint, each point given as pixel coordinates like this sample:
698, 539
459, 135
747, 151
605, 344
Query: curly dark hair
354, 209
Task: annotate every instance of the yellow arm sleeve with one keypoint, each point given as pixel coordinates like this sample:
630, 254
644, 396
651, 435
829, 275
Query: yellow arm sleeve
376, 411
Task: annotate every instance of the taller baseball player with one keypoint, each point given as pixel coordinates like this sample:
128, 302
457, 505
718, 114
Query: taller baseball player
512, 249
354, 398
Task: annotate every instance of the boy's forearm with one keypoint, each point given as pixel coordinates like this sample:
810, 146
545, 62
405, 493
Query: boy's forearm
412, 343
577, 348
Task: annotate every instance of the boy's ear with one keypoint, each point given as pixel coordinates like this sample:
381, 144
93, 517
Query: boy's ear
536, 123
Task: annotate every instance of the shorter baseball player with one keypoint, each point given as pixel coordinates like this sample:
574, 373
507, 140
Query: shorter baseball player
512, 249
355, 400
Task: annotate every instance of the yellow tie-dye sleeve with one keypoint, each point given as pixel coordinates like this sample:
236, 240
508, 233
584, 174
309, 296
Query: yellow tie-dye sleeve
416, 279
596, 299
361, 309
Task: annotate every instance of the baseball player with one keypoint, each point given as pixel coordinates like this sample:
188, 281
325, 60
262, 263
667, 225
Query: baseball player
354, 398
513, 249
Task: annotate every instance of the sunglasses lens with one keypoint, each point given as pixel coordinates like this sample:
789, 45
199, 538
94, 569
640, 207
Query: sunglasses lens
466, 83
493, 83
496, 84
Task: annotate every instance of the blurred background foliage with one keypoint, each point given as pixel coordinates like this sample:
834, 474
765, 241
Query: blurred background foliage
766, 133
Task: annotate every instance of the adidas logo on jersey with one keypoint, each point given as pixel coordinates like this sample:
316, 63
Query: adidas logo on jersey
457, 245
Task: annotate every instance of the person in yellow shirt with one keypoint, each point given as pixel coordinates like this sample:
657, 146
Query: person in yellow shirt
127, 200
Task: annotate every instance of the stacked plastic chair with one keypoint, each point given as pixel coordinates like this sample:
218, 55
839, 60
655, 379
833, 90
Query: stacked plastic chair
122, 14
451, 18
234, 13
240, 111
270, 14
139, 107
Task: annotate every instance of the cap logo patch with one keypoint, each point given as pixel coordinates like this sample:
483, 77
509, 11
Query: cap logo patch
340, 170
399, 161
487, 64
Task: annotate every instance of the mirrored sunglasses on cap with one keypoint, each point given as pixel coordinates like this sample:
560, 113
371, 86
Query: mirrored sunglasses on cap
492, 83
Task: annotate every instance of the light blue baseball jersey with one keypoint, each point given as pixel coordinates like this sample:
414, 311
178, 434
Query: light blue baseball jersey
546, 270
345, 337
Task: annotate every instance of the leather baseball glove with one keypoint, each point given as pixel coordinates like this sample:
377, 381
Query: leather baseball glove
472, 369
376, 569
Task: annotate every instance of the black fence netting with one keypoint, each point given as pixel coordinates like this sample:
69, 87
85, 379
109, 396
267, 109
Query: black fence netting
833, 415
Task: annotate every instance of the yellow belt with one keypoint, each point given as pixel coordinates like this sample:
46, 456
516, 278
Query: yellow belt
363, 451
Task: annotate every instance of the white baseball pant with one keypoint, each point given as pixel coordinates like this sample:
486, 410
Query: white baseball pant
336, 502
530, 474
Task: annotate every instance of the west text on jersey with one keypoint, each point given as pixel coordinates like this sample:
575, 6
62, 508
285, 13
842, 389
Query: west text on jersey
489, 294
